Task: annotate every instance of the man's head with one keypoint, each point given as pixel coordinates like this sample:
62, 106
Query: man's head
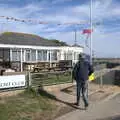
81, 56
85, 57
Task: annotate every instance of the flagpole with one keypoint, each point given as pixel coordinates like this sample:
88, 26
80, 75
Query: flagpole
91, 26
75, 38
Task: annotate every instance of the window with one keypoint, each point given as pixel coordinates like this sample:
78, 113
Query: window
54, 55
19, 55
16, 55
28, 58
69, 56
33, 55
49, 56
40, 55
65, 56
76, 56
44, 55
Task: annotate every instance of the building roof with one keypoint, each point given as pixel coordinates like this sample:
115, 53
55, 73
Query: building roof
14, 38
76, 45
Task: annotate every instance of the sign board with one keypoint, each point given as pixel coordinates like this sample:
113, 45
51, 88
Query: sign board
12, 81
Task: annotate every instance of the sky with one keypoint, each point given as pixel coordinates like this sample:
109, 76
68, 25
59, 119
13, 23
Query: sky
105, 18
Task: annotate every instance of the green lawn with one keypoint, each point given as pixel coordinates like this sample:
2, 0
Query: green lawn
27, 106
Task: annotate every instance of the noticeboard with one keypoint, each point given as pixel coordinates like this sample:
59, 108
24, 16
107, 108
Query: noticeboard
12, 81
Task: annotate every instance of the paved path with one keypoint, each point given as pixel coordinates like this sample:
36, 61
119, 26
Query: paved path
104, 110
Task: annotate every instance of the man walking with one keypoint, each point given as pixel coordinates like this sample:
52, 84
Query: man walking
81, 71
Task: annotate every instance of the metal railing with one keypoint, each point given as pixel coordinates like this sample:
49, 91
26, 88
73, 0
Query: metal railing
50, 78
105, 76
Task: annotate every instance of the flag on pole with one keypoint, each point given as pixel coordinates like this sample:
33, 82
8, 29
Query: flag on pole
86, 41
87, 31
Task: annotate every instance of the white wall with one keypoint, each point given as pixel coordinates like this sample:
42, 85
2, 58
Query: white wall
74, 50
61, 56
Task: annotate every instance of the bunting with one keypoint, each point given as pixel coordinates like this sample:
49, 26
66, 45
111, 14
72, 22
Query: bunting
42, 22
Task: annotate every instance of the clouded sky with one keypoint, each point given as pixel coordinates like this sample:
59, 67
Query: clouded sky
106, 13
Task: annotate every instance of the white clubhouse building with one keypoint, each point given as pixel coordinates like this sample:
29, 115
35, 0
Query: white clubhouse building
19, 48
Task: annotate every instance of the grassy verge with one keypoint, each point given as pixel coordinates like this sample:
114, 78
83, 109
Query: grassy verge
27, 106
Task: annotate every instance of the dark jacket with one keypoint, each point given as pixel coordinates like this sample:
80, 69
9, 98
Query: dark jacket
81, 71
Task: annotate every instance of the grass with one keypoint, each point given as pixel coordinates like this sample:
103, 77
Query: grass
27, 106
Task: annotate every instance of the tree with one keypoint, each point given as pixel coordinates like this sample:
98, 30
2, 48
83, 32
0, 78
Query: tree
61, 43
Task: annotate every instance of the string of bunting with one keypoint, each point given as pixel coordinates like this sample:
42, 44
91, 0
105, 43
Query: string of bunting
42, 22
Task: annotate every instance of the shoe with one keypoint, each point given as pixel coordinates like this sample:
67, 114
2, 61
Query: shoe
77, 104
86, 106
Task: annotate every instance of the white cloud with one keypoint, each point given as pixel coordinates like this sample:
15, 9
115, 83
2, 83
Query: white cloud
7, 0
20, 12
116, 11
106, 44
81, 10
59, 1
105, 9
102, 9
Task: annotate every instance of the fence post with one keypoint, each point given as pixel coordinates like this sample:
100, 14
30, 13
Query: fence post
71, 75
26, 79
57, 76
101, 79
29, 79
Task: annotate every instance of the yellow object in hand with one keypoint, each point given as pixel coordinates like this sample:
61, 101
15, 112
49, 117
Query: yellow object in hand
92, 77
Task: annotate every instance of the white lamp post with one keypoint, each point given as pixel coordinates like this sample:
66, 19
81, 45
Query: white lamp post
91, 27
